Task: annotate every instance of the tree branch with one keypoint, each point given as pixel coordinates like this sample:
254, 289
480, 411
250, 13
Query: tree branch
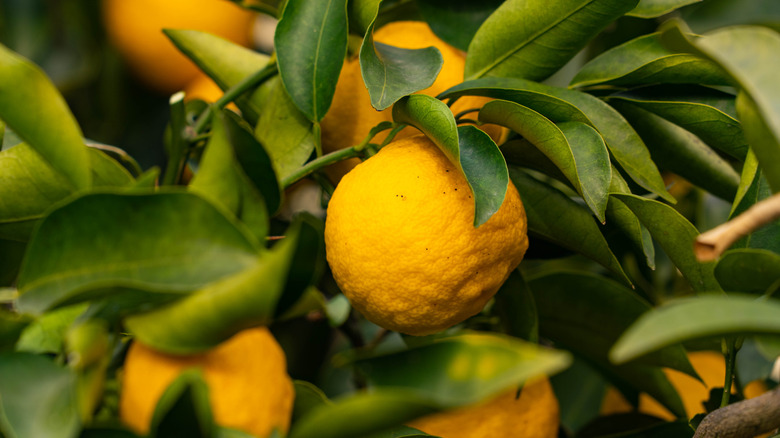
745, 419
710, 245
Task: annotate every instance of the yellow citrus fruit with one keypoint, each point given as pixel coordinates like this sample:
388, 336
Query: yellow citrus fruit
135, 28
533, 415
710, 366
351, 115
402, 246
247, 378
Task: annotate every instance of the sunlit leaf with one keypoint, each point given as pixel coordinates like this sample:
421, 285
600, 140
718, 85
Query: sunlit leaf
94, 243
501, 47
657, 8
310, 43
704, 316
47, 333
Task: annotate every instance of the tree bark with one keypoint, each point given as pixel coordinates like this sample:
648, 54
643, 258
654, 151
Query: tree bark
744, 419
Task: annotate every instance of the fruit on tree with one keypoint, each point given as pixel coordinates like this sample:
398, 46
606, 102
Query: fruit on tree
249, 388
401, 242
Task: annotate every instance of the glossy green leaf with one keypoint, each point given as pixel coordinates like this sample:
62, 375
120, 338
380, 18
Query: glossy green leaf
676, 235
391, 73
473, 152
741, 51
575, 148
624, 143
361, 13
362, 414
310, 43
625, 219
183, 409
462, 369
248, 298
37, 397
456, 21
657, 8
688, 319
30, 101
224, 61
501, 47
586, 314
679, 151
555, 217
645, 60
31, 186
748, 270
95, 243
709, 113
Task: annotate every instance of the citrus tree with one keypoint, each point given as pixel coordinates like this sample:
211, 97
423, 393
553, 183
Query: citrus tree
407, 218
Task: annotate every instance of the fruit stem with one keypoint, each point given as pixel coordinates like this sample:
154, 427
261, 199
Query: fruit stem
317, 163
731, 357
317, 133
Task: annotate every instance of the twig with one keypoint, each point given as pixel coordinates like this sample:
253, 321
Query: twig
711, 244
744, 419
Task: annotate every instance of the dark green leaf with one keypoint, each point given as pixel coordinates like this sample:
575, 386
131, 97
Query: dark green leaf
754, 188
183, 409
456, 21
31, 105
11, 253
400, 432
622, 216
679, 151
748, 270
307, 398
578, 407
462, 369
501, 47
587, 313
12, 325
31, 186
361, 14
645, 60
657, 8
688, 319
676, 235
623, 142
516, 308
37, 398
712, 14
310, 43
575, 148
555, 217
764, 143
707, 112
248, 298
95, 243
391, 73
467, 147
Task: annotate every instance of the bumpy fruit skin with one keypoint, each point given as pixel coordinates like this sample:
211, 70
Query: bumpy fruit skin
351, 115
402, 246
135, 28
535, 414
247, 378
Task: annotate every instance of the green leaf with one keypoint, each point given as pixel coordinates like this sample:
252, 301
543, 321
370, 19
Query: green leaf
12, 325
676, 235
46, 334
31, 105
31, 186
624, 143
501, 47
172, 242
657, 8
400, 432
37, 398
748, 270
516, 308
183, 409
246, 299
456, 21
679, 151
361, 14
754, 188
462, 369
709, 113
741, 51
391, 73
575, 148
625, 219
713, 14
310, 43
688, 319
473, 152
555, 217
11, 253
645, 60
307, 398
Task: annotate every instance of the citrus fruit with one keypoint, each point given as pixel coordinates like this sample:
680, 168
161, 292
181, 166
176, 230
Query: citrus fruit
351, 115
135, 28
710, 366
402, 246
533, 415
249, 388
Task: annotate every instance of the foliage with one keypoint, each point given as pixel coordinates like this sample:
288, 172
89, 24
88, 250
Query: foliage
629, 135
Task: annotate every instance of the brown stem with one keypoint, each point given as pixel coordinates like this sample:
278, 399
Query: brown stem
745, 419
710, 245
